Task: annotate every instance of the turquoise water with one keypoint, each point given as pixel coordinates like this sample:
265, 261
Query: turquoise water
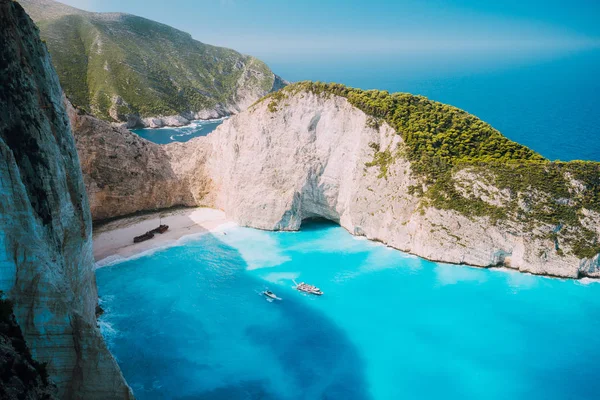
182, 134
188, 322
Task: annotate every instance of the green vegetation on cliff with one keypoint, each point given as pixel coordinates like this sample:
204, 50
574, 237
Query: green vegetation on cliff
444, 144
116, 64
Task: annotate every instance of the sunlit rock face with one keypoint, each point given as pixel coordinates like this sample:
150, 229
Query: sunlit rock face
124, 173
272, 168
46, 264
311, 156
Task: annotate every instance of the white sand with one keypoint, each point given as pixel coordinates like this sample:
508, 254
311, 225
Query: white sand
114, 240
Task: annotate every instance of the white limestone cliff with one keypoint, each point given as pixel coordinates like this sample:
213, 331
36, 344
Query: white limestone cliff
272, 168
46, 264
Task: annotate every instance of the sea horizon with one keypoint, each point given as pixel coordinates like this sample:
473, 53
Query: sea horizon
550, 103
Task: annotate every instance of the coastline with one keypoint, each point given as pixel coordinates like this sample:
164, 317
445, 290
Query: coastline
190, 123
503, 268
113, 241
174, 121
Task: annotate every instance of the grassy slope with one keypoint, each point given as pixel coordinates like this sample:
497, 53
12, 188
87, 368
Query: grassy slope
154, 68
442, 141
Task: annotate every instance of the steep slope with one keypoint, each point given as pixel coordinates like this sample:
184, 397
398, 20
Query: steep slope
420, 176
119, 65
124, 173
46, 265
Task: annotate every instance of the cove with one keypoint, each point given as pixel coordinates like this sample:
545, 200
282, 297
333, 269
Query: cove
168, 135
188, 322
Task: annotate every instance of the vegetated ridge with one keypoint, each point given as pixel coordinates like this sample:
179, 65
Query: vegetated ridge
119, 65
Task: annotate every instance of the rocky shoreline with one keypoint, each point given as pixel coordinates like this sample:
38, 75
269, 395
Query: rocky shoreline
112, 240
271, 168
134, 121
174, 121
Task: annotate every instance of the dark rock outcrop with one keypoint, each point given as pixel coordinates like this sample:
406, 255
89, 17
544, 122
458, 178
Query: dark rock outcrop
21, 377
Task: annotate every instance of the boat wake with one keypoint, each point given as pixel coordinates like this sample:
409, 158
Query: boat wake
268, 295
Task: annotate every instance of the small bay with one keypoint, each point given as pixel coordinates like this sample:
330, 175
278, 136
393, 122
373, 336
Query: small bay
168, 135
189, 322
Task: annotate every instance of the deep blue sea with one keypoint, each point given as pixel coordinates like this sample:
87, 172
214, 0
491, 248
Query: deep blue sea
183, 134
188, 322
550, 104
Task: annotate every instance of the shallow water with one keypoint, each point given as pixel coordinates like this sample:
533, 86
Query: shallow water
182, 134
188, 322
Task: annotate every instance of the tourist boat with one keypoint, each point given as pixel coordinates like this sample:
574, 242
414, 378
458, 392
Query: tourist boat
146, 236
310, 289
270, 295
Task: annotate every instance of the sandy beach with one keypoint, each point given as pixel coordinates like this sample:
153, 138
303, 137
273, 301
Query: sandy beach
114, 240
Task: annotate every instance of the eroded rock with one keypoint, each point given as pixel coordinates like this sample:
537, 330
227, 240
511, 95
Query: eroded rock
46, 264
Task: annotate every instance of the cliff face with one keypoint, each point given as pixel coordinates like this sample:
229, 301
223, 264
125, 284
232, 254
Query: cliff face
303, 153
124, 173
316, 155
46, 265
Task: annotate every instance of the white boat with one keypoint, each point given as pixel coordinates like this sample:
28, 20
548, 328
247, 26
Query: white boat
270, 295
310, 289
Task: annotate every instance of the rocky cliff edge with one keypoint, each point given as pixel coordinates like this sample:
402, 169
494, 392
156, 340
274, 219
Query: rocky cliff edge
327, 151
46, 265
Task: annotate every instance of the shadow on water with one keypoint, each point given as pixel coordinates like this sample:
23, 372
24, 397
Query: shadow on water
190, 325
244, 390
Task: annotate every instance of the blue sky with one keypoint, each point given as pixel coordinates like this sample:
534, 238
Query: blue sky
284, 30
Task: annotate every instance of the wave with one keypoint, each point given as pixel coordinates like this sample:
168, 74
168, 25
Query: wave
211, 120
193, 123
588, 281
116, 259
109, 333
110, 260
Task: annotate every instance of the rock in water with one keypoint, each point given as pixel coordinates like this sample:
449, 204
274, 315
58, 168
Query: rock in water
46, 264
